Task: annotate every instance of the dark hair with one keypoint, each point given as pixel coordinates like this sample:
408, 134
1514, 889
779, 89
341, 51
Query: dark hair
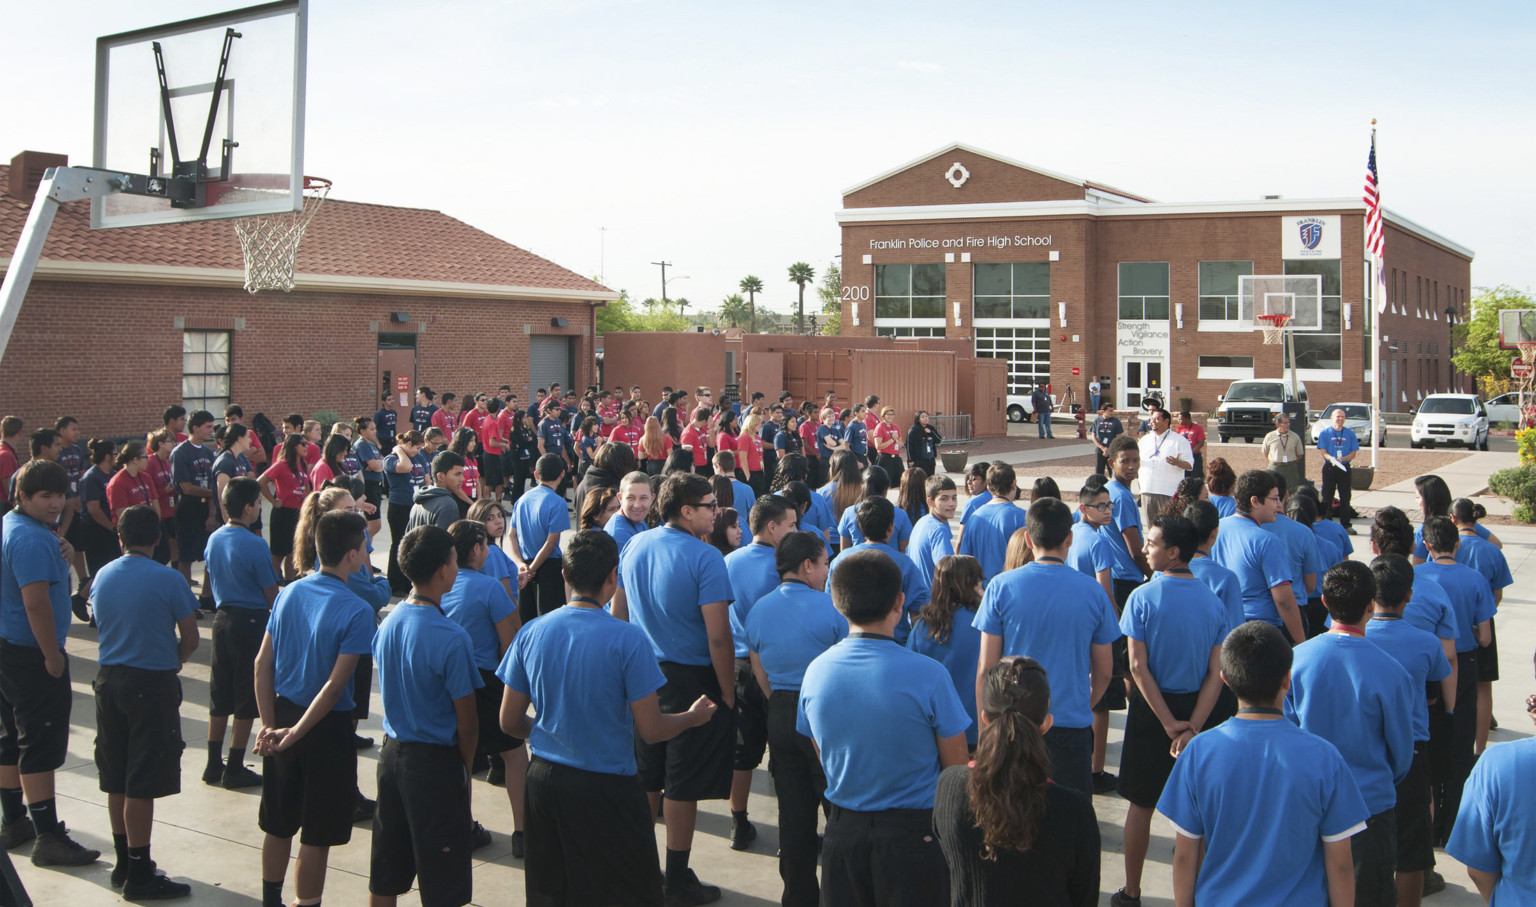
1464, 511
1255, 483
1435, 494
174, 411
1394, 580
239, 494
725, 492
587, 560
130, 451
1220, 477
1255, 660
1090, 490
876, 481
911, 498
1121, 444
978, 470
549, 467
1302, 509
679, 491
1049, 523
865, 585
725, 518
466, 535
1007, 787
1001, 479
1392, 532
798, 494
848, 487
462, 438
792, 467
423, 551
41, 476
42, 438
794, 549
339, 532
937, 484
101, 450
616, 457
1440, 535
1280, 483
336, 449
1348, 588
1179, 534
727, 423
1206, 519
1187, 493
593, 505
955, 578
679, 462
232, 435
64, 422
770, 508
10, 425
201, 417
1044, 487
290, 455
138, 526
876, 517
445, 461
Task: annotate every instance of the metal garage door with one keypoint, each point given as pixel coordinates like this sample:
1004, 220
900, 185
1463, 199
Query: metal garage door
549, 360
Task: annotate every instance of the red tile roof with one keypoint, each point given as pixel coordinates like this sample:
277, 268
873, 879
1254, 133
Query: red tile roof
350, 239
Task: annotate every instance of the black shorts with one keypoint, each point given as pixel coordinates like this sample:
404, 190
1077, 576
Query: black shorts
138, 732
421, 830
1488, 656
490, 470
591, 838
168, 527
285, 522
1113, 699
696, 764
191, 528
889, 857
362, 687
1415, 827
74, 535
751, 718
1144, 760
34, 710
373, 493
312, 785
237, 635
488, 706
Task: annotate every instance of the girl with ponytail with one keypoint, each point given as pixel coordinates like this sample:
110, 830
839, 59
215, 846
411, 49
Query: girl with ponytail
1004, 827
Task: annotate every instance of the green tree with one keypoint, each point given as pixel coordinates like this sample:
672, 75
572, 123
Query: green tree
618, 315
1477, 339
733, 309
801, 274
831, 293
752, 285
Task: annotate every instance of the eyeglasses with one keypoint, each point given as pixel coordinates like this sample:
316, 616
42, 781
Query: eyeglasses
712, 505
1274, 498
1102, 506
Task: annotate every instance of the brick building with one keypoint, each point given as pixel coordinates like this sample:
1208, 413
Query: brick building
119, 323
1068, 279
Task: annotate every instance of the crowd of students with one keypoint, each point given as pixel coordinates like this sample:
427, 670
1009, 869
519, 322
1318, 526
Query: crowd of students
713, 607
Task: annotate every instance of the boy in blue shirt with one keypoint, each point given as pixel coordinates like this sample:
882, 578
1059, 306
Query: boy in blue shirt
676, 588
592, 681
427, 682
1260, 560
932, 539
1495, 835
1351, 693
140, 608
725, 465
316, 634
881, 754
1092, 553
1488, 559
985, 537
876, 518
538, 518
1301, 548
1062, 619
1129, 571
244, 584
1223, 582
1263, 810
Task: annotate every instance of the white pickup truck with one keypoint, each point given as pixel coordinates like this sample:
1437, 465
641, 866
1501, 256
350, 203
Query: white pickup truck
1020, 408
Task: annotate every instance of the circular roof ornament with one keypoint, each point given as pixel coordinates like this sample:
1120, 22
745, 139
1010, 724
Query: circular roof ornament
957, 175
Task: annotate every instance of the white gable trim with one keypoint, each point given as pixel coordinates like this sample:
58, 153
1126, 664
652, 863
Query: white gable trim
961, 146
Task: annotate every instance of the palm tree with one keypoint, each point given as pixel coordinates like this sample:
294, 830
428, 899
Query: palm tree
733, 309
752, 285
801, 273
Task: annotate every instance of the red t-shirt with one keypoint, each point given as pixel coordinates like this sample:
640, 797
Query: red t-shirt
160, 474
750, 449
627, 432
666, 447
446, 422
471, 478
870, 420
504, 424
320, 475
291, 489
8, 466
808, 439
886, 438
693, 439
489, 433
311, 454
124, 491
725, 441
1192, 433
472, 419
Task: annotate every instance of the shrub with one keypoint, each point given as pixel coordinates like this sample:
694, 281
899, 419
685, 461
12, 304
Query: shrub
326, 418
1517, 483
1525, 443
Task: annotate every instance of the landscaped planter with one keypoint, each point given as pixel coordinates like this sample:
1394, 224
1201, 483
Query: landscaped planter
954, 460
1361, 477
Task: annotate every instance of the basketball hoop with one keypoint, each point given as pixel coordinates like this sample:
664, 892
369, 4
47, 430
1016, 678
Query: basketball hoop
1527, 352
270, 242
1274, 326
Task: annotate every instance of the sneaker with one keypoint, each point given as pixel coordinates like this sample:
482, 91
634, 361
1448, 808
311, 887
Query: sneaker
1121, 899
743, 833
237, 777
364, 810
1105, 782
692, 892
1434, 882
518, 845
14, 834
497, 774
119, 873
361, 742
57, 848
158, 888
214, 773
479, 836
78, 604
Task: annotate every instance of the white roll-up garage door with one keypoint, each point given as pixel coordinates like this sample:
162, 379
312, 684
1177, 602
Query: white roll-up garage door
549, 360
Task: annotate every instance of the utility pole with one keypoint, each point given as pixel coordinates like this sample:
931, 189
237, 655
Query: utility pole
663, 265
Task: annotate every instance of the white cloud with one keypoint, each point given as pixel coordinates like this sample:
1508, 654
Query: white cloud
920, 66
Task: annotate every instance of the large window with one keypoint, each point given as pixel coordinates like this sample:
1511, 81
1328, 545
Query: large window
1219, 295
1322, 349
205, 370
1021, 290
1144, 291
909, 291
1028, 351
908, 332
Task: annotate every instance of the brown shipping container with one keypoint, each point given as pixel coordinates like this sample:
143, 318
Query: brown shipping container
983, 388
909, 381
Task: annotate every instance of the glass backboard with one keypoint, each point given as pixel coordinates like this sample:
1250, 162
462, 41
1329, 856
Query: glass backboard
1297, 295
259, 116
1516, 326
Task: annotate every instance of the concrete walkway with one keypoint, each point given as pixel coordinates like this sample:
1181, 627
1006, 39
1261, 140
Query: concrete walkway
1466, 477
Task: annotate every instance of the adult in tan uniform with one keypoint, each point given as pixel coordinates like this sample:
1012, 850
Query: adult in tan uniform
1283, 449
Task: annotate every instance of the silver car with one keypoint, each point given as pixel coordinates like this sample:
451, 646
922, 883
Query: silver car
1357, 418
1505, 408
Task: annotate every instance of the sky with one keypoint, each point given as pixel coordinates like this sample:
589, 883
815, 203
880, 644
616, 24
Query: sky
609, 134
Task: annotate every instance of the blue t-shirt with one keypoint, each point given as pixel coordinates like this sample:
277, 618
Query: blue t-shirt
879, 752
1348, 691
1420, 551
857, 437
986, 535
1471, 599
1092, 550
478, 603
73, 459
1123, 515
93, 487
538, 514
1430, 608
1226, 505
745, 498
402, 486
1225, 584
1496, 829
239, 566
385, 419
1180, 620
1264, 795
31, 555
192, 463
974, 504
137, 604
753, 574
1305, 559
425, 663
825, 433
365, 450
932, 541
789, 627
818, 518
1487, 559
1333, 543
901, 525
668, 575
581, 668
958, 654
1420, 654
370, 587
1338, 442
1055, 615
622, 528
914, 586
1261, 562
315, 621
498, 565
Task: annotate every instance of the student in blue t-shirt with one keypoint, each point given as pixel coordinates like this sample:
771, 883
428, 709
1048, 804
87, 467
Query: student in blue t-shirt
932, 539
1487, 559
786, 629
876, 518
1301, 548
1495, 833
422, 831
877, 483
986, 534
1175, 627
676, 588
1260, 560
725, 465
317, 632
1092, 553
1263, 811
881, 754
1220, 580
634, 507
976, 487
944, 629
537, 521
1062, 619
592, 681
147, 629
1351, 693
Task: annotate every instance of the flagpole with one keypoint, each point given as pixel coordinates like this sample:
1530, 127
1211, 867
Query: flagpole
1377, 309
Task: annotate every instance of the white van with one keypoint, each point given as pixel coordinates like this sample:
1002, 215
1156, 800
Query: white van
1248, 408
1458, 420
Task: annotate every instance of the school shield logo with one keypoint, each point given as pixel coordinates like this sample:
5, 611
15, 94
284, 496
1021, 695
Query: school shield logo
1311, 232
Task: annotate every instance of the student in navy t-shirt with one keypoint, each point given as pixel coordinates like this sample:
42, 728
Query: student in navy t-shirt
404, 475
192, 474
986, 534
537, 521
385, 418
932, 539
881, 754
876, 518
592, 681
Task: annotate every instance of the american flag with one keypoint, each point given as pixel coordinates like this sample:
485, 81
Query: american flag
1374, 242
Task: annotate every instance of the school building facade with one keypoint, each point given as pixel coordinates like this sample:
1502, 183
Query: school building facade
1068, 279
118, 324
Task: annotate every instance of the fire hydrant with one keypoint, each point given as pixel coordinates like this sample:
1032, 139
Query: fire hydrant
1082, 422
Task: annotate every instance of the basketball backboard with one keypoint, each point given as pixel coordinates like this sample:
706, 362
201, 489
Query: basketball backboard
1516, 326
1297, 295
154, 91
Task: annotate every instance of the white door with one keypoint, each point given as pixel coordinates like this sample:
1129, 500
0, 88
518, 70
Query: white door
1137, 378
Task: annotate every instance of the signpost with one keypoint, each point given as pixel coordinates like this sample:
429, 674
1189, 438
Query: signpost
1521, 369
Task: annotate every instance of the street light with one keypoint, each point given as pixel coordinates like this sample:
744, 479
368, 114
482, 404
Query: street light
1450, 333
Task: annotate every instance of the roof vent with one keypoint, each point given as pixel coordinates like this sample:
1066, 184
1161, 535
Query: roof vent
1270, 198
27, 169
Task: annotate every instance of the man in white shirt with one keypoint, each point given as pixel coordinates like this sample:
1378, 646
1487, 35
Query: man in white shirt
1165, 457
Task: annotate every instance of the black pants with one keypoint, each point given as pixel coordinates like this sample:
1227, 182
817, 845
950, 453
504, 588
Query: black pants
800, 783
591, 839
1375, 858
544, 593
1459, 757
883, 859
1335, 478
521, 477
1100, 462
399, 515
926, 466
421, 831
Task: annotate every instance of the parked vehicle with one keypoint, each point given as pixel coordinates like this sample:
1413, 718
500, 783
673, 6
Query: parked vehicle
1357, 418
1021, 409
1248, 408
1457, 420
1505, 408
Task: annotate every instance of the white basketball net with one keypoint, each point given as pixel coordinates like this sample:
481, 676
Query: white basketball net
270, 242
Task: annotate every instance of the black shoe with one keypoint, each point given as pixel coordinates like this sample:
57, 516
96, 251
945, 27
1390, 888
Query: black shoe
238, 777
479, 836
1434, 882
743, 833
364, 810
158, 888
480, 764
14, 834
119, 873
57, 848
692, 892
82, 609
1121, 899
214, 773
497, 774
518, 847
197, 614
1105, 782
361, 742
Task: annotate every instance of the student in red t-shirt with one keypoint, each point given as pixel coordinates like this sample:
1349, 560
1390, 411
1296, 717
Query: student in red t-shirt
312, 451
885, 443
492, 444
131, 484
447, 418
1194, 433
693, 438
472, 417
161, 443
285, 484
467, 445
749, 452
726, 431
10, 435
871, 407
